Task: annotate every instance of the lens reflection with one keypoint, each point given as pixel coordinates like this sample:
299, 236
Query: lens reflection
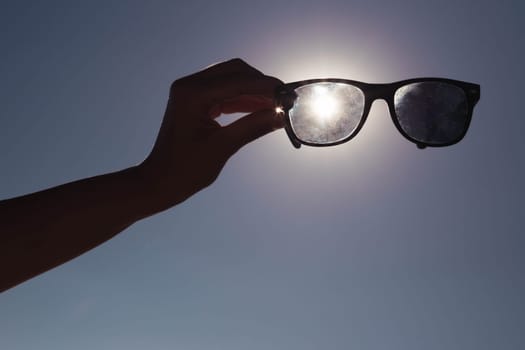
432, 112
326, 112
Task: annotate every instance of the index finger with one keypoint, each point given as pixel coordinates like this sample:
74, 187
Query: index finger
232, 86
235, 65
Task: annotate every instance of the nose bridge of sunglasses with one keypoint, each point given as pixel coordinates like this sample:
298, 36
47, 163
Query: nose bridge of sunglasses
378, 92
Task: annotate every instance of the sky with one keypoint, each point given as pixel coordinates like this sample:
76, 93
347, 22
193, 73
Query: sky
373, 244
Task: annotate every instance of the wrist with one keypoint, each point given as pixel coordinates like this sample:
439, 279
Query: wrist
157, 186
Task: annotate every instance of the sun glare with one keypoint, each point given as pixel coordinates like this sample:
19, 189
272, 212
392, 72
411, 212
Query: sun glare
323, 104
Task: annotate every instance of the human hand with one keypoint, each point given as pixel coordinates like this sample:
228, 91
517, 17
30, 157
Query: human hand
191, 147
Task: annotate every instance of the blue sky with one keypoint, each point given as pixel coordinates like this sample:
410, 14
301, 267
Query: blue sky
373, 244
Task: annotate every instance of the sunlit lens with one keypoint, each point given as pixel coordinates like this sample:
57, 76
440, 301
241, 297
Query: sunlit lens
325, 113
435, 113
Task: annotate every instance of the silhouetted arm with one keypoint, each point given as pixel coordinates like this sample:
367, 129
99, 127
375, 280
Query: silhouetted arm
45, 229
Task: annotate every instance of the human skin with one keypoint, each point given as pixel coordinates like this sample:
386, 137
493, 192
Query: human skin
42, 230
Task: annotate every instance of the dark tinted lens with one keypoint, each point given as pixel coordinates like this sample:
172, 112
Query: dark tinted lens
435, 113
325, 113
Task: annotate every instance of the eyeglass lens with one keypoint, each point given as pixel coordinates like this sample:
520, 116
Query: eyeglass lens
432, 112
326, 112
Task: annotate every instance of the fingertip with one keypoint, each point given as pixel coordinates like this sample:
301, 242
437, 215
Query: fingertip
278, 119
276, 81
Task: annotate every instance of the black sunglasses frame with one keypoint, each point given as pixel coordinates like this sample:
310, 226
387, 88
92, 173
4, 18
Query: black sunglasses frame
285, 96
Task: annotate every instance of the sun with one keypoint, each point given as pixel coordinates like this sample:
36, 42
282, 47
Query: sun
323, 104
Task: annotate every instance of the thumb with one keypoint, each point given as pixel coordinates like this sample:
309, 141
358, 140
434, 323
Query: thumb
251, 127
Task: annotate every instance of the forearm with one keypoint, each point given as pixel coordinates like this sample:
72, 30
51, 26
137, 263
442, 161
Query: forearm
45, 229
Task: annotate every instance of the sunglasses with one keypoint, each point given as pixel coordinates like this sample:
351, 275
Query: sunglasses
432, 112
